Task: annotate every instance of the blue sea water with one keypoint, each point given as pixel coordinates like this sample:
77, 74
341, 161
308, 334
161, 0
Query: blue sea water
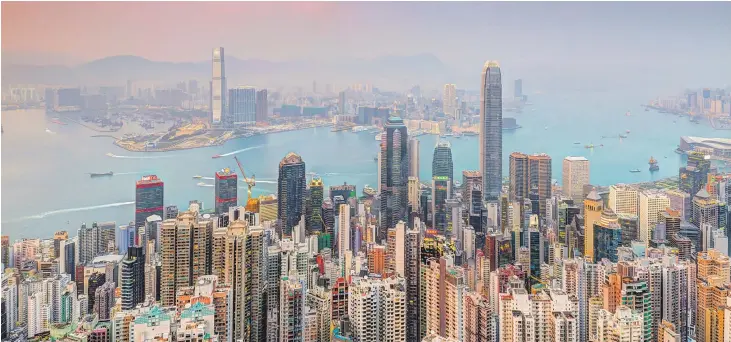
46, 186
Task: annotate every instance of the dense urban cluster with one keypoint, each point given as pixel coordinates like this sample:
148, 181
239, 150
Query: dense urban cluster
441, 259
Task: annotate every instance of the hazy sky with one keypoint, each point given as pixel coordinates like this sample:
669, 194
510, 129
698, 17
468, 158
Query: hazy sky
638, 37
454, 32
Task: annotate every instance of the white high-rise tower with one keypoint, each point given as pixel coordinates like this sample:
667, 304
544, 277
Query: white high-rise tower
218, 87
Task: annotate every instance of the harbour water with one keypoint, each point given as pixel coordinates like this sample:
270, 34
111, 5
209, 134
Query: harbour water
45, 167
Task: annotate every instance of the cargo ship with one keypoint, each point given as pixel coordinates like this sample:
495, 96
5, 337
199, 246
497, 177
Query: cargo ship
93, 175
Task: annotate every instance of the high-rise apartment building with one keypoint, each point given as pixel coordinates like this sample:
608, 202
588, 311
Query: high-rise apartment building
412, 276
291, 186
218, 87
343, 233
636, 295
242, 106
291, 305
226, 190
651, 203
377, 310
185, 251
491, 131
623, 199
694, 175
625, 325
445, 287
713, 287
575, 177
149, 198
394, 174
449, 100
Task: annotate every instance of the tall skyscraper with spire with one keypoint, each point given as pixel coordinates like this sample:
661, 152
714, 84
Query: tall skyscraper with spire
394, 174
491, 130
218, 87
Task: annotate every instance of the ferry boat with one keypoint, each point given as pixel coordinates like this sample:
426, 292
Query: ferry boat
635, 170
216, 156
623, 136
197, 177
653, 165
589, 146
93, 175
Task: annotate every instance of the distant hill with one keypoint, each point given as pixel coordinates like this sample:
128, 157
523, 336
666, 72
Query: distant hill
394, 71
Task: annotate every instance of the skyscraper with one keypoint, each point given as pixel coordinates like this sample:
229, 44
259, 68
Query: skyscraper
491, 131
528, 173
449, 100
218, 87
291, 186
133, 278
441, 190
316, 222
226, 190
149, 196
242, 105
575, 176
262, 106
623, 199
651, 203
607, 236
414, 158
342, 103
442, 164
593, 208
394, 174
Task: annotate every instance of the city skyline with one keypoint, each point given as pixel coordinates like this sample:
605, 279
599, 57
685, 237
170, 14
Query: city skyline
253, 219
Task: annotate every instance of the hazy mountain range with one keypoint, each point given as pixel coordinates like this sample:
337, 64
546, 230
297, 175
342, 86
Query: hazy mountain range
395, 71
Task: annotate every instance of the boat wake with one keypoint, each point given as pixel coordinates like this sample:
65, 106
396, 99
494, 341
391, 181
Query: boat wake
132, 173
266, 181
137, 157
204, 184
71, 210
208, 178
50, 131
241, 150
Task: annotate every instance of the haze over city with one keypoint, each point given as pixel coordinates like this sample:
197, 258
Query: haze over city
570, 45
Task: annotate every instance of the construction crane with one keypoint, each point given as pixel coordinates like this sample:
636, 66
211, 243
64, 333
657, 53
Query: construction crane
251, 204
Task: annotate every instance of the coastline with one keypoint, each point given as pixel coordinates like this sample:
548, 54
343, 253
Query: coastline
127, 145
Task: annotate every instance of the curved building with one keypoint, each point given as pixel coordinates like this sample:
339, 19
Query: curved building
491, 139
